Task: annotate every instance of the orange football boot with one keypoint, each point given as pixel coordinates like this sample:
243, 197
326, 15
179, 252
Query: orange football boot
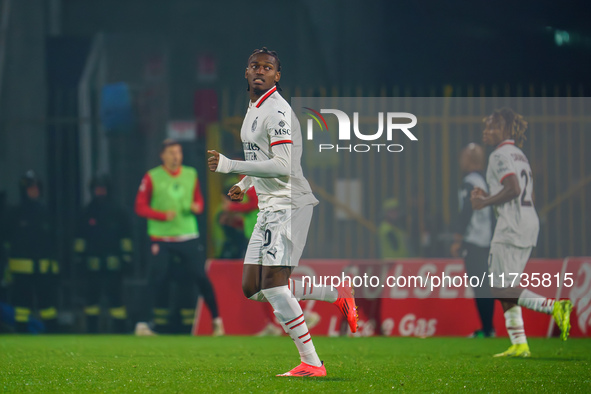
304, 370
346, 304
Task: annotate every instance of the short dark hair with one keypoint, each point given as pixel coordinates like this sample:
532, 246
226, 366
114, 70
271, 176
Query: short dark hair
168, 142
266, 51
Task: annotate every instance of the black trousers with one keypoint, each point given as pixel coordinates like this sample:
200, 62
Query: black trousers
476, 264
34, 291
107, 283
183, 264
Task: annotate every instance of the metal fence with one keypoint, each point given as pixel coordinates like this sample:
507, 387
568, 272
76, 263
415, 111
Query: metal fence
426, 180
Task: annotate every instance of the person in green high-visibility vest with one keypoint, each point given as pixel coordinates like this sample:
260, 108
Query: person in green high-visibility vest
170, 197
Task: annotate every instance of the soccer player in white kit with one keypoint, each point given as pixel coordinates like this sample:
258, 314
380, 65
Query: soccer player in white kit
272, 143
509, 177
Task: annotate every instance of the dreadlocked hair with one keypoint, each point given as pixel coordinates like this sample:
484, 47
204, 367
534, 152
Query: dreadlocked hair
267, 52
509, 121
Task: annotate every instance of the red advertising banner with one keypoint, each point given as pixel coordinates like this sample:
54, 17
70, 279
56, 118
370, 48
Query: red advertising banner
415, 297
579, 293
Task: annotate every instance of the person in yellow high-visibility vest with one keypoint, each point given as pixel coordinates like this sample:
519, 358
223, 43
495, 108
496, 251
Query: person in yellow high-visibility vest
103, 249
32, 263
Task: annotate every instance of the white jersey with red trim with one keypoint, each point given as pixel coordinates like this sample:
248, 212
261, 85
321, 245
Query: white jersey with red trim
268, 122
517, 220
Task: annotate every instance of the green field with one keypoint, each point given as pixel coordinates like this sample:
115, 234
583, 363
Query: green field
227, 364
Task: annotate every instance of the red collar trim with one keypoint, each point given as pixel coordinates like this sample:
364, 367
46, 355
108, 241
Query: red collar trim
506, 142
173, 173
266, 96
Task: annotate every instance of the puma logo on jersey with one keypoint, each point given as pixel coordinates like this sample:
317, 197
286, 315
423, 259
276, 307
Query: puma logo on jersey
282, 113
272, 252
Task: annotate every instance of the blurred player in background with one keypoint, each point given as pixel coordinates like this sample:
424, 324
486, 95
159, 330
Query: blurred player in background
169, 197
248, 208
32, 255
103, 249
273, 149
473, 232
235, 221
510, 180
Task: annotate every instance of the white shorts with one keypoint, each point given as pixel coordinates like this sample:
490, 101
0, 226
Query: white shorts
507, 260
279, 237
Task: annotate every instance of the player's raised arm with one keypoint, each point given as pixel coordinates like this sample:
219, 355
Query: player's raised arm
213, 160
275, 167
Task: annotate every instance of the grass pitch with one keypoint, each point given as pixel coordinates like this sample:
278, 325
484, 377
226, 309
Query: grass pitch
249, 364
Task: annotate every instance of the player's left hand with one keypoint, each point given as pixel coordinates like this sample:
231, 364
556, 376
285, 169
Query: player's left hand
236, 194
478, 202
477, 192
213, 161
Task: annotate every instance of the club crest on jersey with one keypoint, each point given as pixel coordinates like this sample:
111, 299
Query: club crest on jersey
254, 125
281, 124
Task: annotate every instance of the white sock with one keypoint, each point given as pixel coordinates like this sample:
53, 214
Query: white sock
290, 315
535, 302
514, 324
258, 296
311, 292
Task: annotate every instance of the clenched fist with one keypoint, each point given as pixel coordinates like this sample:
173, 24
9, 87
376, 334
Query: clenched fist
213, 161
235, 193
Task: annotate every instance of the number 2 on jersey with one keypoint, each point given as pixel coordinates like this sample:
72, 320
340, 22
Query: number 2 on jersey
524, 202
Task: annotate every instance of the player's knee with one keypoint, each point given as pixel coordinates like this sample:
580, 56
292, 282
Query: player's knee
249, 289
